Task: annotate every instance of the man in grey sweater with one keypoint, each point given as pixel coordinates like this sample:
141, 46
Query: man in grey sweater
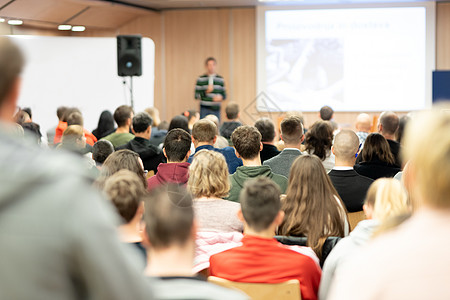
57, 236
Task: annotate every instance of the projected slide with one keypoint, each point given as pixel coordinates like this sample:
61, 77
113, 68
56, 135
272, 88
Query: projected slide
364, 59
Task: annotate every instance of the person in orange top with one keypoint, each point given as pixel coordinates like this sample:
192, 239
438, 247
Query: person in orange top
75, 118
261, 258
62, 125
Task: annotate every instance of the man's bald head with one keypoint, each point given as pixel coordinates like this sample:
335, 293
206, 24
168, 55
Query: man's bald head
363, 123
346, 145
389, 123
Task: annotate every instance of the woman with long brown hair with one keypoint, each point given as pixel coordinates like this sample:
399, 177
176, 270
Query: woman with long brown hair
377, 159
312, 206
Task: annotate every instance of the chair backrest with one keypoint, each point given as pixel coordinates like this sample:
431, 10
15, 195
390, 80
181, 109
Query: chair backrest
354, 218
289, 290
328, 245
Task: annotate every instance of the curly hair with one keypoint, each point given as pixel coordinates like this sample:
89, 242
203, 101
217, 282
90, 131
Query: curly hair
319, 139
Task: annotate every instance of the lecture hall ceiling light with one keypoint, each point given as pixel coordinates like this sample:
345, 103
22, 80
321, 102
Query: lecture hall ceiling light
2, 20
15, 22
78, 28
64, 27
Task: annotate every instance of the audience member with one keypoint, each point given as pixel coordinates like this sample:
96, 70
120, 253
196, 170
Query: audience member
176, 149
123, 116
126, 192
221, 142
292, 135
100, 152
363, 126
247, 142
158, 133
395, 265
122, 159
266, 127
76, 118
326, 113
280, 143
204, 137
170, 231
387, 127
58, 239
376, 158
261, 258
33, 130
51, 132
209, 183
351, 186
151, 155
22, 117
179, 122
401, 128
386, 198
193, 116
318, 141
73, 140
105, 125
232, 113
312, 206
62, 125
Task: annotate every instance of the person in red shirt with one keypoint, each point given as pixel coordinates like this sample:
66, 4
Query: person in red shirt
261, 258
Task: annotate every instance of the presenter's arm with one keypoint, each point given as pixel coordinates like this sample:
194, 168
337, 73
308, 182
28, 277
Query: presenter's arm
199, 90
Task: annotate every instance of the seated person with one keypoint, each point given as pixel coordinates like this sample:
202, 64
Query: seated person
126, 192
232, 113
351, 186
176, 149
204, 137
261, 259
221, 142
266, 127
100, 152
170, 231
76, 118
318, 141
247, 142
123, 116
158, 132
209, 183
151, 155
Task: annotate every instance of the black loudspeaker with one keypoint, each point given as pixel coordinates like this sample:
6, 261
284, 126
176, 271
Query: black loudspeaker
129, 59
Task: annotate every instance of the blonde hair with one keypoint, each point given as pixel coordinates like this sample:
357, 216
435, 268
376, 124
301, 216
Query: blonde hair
72, 134
208, 175
388, 198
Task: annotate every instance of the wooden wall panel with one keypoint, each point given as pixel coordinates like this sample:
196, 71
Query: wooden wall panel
443, 36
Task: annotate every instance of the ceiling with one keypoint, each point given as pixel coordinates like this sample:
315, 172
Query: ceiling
112, 14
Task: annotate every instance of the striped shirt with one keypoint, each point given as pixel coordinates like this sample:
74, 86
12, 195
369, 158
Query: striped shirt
201, 86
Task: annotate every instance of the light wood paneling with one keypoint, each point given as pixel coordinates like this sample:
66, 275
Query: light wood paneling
442, 36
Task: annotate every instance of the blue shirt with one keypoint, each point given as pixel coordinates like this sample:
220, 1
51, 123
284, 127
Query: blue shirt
232, 160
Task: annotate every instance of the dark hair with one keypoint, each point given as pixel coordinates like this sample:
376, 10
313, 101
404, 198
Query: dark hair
101, 150
319, 139
204, 130
28, 111
179, 122
232, 111
260, 202
141, 122
22, 117
61, 111
68, 112
11, 64
122, 114
189, 114
169, 216
401, 127
126, 192
75, 118
311, 204
326, 113
389, 121
377, 147
122, 159
267, 129
164, 125
292, 130
105, 125
177, 144
210, 59
247, 141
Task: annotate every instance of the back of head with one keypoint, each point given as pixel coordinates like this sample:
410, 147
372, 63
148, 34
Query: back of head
267, 129
179, 122
215, 120
326, 113
68, 112
389, 121
11, 64
177, 144
232, 111
191, 114
388, 198
401, 127
319, 139
60, 111
141, 121
101, 150
105, 122
247, 141
292, 130
28, 111
427, 144
154, 113
22, 117
298, 114
169, 217
346, 145
72, 134
363, 123
75, 118
123, 159
260, 203
204, 131
122, 114
126, 192
208, 175
377, 147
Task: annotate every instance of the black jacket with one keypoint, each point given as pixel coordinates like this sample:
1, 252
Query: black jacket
151, 155
268, 152
376, 169
351, 187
